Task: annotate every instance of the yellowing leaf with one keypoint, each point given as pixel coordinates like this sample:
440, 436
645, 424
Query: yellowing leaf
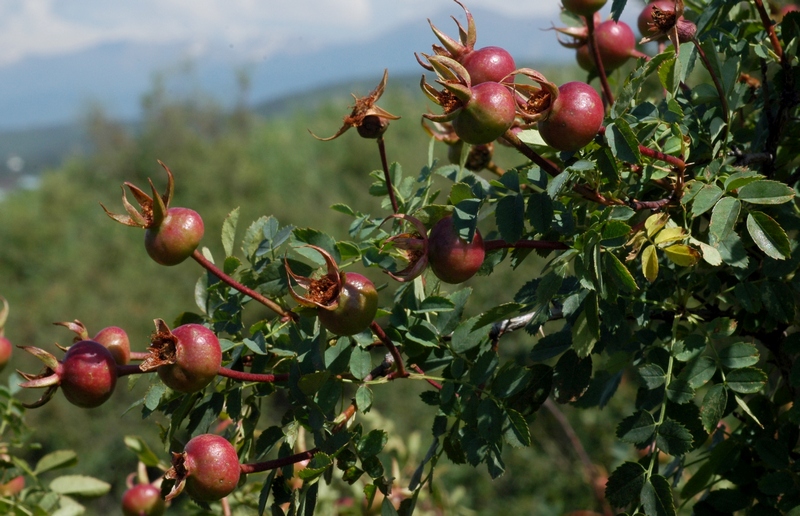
682, 255
655, 222
650, 263
636, 242
668, 235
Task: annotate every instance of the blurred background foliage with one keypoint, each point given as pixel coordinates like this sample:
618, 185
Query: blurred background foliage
61, 259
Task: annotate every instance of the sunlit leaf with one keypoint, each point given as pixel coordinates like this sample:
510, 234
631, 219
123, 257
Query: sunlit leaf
650, 263
681, 254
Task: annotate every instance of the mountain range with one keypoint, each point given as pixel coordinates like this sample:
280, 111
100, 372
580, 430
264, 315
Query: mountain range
42, 91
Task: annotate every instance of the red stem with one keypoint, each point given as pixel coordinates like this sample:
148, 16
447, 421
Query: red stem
216, 271
125, 370
419, 370
678, 163
385, 164
546, 165
401, 368
252, 377
139, 355
773, 38
297, 457
491, 245
258, 467
608, 97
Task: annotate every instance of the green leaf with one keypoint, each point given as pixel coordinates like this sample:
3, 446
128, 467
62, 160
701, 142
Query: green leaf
79, 485
667, 75
615, 230
343, 208
637, 428
316, 467
55, 460
230, 265
713, 407
387, 509
372, 443
679, 391
143, 452
650, 263
510, 217
360, 362
497, 313
571, 377
557, 183
749, 296
435, 304
518, 433
467, 335
490, 420
423, 334
723, 219
310, 384
551, 345
540, 211
364, 398
229, 231
705, 199
765, 191
673, 438
690, 347
625, 484
617, 6
510, 379
460, 192
652, 376
741, 178
738, 355
657, 497
698, 371
747, 380
585, 331
319, 239
743, 406
619, 273
768, 235
623, 142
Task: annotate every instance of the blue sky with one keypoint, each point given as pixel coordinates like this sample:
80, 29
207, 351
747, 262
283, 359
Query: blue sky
257, 28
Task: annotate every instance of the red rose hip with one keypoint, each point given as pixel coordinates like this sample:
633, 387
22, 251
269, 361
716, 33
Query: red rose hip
452, 259
574, 119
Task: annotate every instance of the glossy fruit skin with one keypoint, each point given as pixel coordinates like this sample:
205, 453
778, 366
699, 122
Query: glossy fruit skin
488, 114
6, 349
176, 238
356, 309
452, 259
489, 64
143, 500
198, 357
213, 467
615, 41
88, 374
583, 7
115, 339
575, 117
646, 17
